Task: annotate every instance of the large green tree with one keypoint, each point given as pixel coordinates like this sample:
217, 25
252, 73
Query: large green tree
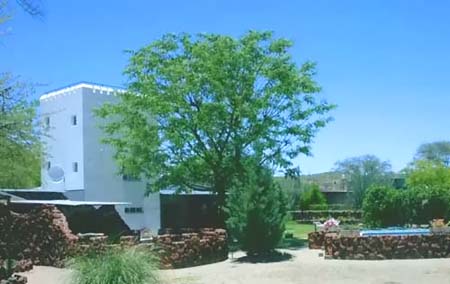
425, 173
20, 147
197, 106
435, 152
363, 172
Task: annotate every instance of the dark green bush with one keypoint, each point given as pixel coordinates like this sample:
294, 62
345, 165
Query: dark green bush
257, 210
130, 266
427, 203
426, 197
313, 199
385, 206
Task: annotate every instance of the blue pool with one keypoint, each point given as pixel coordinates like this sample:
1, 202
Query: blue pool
394, 232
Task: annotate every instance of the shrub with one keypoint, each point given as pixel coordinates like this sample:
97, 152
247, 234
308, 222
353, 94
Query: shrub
384, 206
130, 266
427, 203
313, 199
257, 210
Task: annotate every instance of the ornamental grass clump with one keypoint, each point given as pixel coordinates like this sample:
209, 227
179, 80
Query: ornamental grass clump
130, 266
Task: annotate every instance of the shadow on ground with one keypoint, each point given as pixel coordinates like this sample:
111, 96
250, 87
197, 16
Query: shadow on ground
275, 256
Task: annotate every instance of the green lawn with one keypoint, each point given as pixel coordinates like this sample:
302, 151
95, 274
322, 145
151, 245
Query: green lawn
300, 231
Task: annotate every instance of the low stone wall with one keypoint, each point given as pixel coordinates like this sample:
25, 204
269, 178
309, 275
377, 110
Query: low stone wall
41, 237
387, 247
178, 250
316, 240
175, 250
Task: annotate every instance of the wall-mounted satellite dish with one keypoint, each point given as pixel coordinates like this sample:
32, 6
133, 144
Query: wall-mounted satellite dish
56, 174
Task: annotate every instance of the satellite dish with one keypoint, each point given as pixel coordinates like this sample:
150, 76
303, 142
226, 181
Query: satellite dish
56, 174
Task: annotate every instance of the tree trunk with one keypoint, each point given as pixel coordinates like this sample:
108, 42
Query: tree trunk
220, 188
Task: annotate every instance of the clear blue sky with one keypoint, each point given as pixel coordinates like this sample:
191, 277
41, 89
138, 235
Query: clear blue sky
385, 63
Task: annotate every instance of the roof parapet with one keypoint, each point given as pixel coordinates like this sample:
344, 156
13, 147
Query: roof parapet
95, 87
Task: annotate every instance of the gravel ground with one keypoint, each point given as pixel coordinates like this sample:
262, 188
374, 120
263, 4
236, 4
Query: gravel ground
304, 267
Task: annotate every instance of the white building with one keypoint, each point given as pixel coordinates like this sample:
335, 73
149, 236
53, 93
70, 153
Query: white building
83, 167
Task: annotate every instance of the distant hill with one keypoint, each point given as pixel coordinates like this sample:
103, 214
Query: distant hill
324, 180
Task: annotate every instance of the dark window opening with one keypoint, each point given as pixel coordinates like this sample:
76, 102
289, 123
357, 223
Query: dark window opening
134, 210
74, 120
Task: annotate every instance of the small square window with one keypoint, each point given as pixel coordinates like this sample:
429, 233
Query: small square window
134, 210
75, 167
47, 121
73, 120
126, 177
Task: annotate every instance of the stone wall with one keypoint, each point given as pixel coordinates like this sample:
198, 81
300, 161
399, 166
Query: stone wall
387, 247
316, 240
179, 249
174, 250
41, 236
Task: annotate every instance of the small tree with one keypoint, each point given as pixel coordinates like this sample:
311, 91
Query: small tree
20, 146
257, 209
313, 198
363, 172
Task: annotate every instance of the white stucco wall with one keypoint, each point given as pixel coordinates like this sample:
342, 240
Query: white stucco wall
63, 141
102, 181
97, 178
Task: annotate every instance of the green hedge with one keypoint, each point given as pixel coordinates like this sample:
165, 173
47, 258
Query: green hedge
386, 206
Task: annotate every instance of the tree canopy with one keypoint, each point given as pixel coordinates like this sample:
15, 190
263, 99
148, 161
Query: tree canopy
435, 151
198, 106
20, 147
427, 174
363, 172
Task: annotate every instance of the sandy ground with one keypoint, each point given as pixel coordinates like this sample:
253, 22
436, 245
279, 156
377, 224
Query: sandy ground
305, 267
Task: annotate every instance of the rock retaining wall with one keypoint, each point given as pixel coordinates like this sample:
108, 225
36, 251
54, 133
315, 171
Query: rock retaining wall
178, 250
316, 240
41, 237
387, 247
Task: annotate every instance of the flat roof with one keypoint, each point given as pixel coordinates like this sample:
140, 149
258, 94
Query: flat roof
68, 202
191, 192
79, 85
36, 189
